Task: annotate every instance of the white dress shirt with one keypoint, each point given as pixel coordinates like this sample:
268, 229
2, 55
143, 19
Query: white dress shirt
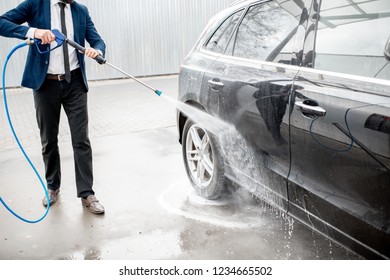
56, 62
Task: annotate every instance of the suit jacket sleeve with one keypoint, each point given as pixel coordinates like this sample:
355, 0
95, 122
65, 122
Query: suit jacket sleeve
10, 22
93, 37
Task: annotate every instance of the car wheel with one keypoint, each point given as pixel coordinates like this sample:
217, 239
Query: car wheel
203, 161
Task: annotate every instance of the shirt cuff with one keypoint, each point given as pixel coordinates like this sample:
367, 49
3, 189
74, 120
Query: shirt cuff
31, 32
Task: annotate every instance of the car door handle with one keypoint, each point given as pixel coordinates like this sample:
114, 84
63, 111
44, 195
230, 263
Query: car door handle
310, 108
216, 84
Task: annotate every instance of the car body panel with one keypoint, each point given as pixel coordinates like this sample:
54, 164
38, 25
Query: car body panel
256, 103
254, 96
340, 176
315, 143
340, 162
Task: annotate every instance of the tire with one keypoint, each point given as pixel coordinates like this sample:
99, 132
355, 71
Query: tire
203, 161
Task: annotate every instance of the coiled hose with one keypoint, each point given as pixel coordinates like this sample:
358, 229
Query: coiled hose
20, 145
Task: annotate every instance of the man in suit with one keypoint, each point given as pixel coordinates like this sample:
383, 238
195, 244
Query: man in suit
58, 79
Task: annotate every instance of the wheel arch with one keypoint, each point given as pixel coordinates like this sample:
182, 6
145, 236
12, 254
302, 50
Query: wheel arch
182, 118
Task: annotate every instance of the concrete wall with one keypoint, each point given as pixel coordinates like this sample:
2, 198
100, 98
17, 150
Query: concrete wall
143, 37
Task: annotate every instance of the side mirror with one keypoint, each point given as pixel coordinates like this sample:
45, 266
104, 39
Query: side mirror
387, 50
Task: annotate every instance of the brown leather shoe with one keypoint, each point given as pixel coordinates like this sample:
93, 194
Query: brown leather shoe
53, 194
93, 204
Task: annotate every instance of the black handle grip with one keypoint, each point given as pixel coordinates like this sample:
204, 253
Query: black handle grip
99, 59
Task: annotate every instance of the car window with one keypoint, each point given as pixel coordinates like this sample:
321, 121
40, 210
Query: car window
267, 32
218, 42
351, 37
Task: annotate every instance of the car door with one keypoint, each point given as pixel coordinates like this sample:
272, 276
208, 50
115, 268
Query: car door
340, 128
249, 87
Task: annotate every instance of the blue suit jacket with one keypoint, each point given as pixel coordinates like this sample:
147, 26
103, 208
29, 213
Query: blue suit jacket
37, 14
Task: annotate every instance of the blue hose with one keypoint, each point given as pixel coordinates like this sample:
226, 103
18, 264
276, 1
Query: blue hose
20, 146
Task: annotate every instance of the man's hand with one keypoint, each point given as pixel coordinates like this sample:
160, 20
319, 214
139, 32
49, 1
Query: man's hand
46, 36
92, 53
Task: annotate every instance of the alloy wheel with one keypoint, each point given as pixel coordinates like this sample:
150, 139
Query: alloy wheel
200, 159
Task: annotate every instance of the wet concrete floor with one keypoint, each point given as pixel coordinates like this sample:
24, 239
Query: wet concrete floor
151, 210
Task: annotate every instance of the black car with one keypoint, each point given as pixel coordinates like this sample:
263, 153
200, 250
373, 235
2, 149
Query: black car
302, 89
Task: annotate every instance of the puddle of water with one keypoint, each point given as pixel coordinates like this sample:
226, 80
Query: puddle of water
240, 211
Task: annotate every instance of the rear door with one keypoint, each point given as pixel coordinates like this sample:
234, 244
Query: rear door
250, 86
340, 127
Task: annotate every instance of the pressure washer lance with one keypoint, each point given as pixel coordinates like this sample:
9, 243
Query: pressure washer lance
102, 60
61, 38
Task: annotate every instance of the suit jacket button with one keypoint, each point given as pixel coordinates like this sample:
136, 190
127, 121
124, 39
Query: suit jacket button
46, 62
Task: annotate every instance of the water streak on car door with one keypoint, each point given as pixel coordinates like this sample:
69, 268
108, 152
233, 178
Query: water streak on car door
254, 98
